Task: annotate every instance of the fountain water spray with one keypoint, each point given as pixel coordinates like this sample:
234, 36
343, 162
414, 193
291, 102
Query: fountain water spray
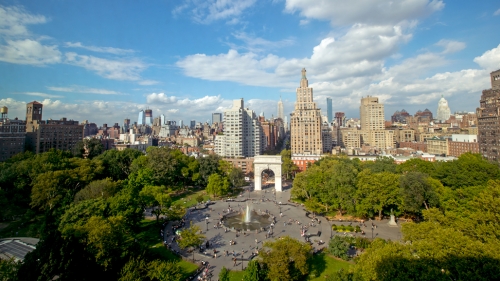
247, 214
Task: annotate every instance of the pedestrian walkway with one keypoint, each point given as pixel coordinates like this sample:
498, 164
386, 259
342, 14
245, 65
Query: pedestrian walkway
291, 222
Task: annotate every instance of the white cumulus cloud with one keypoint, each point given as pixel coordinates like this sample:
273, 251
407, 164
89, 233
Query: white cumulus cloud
29, 51
13, 20
129, 69
490, 60
380, 12
450, 46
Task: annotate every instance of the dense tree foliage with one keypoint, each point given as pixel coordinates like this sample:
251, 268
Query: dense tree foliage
286, 259
252, 272
373, 189
87, 211
458, 237
217, 185
191, 238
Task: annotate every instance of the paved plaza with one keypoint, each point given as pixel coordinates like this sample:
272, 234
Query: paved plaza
247, 243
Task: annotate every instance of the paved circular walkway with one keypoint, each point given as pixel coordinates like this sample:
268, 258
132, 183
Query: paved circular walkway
246, 245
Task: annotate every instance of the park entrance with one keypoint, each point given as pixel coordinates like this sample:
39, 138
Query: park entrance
265, 163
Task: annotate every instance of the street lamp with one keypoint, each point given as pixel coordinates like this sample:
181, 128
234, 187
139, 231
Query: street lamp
241, 259
206, 220
372, 232
331, 230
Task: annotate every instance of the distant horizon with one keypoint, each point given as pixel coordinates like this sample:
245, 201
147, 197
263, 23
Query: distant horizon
105, 61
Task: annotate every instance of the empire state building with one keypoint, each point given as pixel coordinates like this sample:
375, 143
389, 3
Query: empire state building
306, 122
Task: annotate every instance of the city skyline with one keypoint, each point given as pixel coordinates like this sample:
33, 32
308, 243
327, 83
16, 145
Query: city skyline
104, 62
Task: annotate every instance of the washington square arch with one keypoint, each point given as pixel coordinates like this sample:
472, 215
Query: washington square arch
267, 162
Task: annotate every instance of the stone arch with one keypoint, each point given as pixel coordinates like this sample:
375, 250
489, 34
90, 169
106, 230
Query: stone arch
264, 162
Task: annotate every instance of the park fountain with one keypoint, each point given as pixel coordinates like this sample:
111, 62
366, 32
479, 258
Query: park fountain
248, 220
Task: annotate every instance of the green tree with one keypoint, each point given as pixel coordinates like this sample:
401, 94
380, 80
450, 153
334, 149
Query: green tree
224, 274
88, 148
175, 212
99, 188
288, 168
191, 237
375, 192
313, 205
236, 177
469, 170
157, 198
135, 269
106, 239
127, 203
381, 164
8, 269
207, 166
164, 270
286, 259
417, 191
416, 165
341, 184
72, 222
217, 185
117, 164
252, 272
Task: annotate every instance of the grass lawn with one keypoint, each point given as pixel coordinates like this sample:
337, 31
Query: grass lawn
188, 199
324, 264
149, 236
235, 275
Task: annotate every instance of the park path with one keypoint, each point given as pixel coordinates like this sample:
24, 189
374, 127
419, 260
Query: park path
245, 245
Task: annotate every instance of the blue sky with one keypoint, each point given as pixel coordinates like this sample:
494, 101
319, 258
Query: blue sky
104, 61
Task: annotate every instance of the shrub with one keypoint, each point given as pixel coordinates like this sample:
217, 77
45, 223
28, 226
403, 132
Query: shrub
334, 227
338, 247
362, 242
357, 229
350, 228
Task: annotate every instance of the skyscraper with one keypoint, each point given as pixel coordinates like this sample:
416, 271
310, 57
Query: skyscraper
329, 112
373, 124
242, 136
192, 124
443, 111
148, 117
371, 113
488, 119
216, 118
306, 122
141, 120
281, 114
340, 119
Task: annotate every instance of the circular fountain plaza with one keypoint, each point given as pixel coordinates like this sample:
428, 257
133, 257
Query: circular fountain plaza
247, 219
